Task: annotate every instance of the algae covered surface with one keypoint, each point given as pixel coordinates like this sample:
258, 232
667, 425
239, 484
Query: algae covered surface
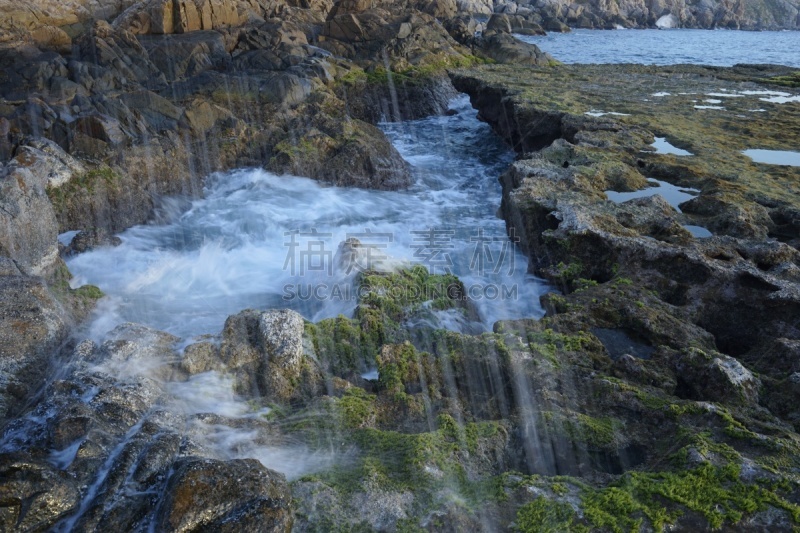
533, 427
657, 393
714, 113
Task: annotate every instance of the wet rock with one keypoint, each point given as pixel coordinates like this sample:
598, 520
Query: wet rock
32, 327
201, 357
178, 56
136, 350
620, 343
265, 353
34, 495
462, 28
238, 495
103, 128
89, 239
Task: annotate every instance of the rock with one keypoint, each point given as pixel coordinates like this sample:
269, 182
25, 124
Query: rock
28, 227
179, 56
238, 495
282, 338
506, 23
368, 160
265, 353
462, 28
481, 7
34, 495
32, 328
89, 239
504, 48
163, 17
45, 157
103, 128
134, 350
159, 113
201, 357
52, 38
716, 377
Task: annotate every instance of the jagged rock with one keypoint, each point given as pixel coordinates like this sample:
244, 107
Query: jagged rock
161, 17
89, 239
462, 28
238, 495
504, 48
201, 357
34, 494
179, 56
103, 128
505, 23
28, 228
52, 38
136, 350
32, 327
265, 353
716, 377
482, 7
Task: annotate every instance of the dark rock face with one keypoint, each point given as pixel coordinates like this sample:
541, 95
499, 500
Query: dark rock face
184, 76
32, 327
504, 48
103, 447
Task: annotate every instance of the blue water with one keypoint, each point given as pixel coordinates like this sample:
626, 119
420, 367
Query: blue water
723, 48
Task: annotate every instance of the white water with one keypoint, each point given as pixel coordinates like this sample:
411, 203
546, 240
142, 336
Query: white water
231, 250
212, 257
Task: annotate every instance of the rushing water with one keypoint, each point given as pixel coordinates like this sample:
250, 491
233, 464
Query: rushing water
235, 248
670, 47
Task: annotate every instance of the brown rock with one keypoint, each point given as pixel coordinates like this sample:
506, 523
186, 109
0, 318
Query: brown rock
238, 495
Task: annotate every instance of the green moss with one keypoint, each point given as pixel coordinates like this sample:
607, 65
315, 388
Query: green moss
344, 345
357, 407
416, 74
88, 183
420, 462
579, 427
59, 285
792, 80
546, 516
715, 492
566, 274
550, 344
581, 284
89, 292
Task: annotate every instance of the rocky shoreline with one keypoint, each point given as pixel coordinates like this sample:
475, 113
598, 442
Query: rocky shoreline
660, 389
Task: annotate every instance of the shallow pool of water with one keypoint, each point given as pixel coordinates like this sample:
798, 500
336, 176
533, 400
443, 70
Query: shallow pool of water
663, 147
672, 194
774, 157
